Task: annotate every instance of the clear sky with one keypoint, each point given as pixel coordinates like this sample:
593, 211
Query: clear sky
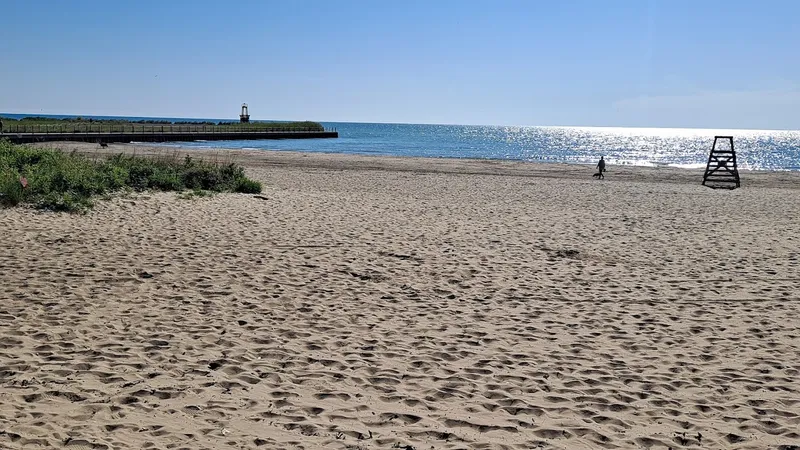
651, 63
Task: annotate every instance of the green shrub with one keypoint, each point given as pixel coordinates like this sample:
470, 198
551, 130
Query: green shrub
67, 182
165, 180
247, 186
201, 177
63, 202
10, 189
116, 177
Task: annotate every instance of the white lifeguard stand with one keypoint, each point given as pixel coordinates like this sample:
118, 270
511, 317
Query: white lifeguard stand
244, 117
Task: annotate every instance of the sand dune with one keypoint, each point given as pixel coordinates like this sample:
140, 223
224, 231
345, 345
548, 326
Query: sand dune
404, 303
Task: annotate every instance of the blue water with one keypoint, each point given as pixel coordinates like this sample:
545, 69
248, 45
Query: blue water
756, 149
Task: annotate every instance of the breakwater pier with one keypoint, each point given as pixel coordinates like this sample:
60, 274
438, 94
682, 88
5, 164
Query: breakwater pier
26, 134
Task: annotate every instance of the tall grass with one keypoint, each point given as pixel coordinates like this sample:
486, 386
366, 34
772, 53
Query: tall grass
68, 181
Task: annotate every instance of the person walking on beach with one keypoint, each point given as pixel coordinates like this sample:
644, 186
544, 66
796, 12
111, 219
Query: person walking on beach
601, 167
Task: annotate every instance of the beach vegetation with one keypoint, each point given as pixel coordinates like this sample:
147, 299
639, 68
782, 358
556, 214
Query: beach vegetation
195, 193
59, 181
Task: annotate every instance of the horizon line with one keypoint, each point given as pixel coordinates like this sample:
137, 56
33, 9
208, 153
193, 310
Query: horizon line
413, 123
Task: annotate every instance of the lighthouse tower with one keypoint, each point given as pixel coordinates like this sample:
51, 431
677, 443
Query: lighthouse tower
244, 117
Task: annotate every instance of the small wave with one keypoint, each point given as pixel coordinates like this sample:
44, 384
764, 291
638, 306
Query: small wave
689, 166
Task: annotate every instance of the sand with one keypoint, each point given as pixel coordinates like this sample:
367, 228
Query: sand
375, 303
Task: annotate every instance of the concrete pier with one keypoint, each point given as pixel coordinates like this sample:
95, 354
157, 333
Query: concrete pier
161, 134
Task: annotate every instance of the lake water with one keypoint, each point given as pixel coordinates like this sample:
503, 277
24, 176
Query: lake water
756, 149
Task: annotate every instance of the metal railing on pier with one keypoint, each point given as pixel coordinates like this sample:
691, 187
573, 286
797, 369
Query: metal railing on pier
155, 129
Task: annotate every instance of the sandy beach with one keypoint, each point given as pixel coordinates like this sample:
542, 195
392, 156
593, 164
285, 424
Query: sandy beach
374, 302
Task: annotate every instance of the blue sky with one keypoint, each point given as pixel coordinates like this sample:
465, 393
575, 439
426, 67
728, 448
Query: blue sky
715, 64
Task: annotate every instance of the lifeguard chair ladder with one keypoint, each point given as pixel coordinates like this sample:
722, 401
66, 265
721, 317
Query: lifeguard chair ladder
721, 171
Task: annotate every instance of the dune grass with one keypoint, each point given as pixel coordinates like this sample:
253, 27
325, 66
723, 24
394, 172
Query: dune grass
61, 181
